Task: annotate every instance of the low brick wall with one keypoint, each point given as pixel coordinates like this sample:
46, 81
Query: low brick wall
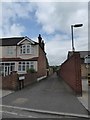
11, 82
29, 78
70, 71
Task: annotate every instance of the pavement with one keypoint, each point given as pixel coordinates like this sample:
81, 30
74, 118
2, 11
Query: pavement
84, 99
52, 95
5, 92
2, 94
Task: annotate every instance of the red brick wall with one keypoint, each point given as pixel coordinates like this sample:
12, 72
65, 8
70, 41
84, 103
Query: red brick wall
29, 78
11, 82
41, 63
70, 71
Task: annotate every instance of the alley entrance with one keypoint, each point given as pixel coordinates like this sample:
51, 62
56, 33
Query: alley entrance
50, 94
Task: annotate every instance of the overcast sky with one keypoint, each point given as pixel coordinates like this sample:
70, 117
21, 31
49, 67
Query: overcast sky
52, 20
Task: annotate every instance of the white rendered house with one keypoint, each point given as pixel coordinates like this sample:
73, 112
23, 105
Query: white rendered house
22, 53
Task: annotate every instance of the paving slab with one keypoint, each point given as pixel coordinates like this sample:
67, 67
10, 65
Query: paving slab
5, 92
84, 99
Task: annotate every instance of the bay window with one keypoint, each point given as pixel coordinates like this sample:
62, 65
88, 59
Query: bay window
24, 66
25, 49
6, 68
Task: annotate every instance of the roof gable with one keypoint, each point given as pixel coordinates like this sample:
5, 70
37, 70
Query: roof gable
26, 39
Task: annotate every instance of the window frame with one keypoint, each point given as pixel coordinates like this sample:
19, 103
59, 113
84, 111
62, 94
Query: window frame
4, 65
10, 50
26, 49
21, 65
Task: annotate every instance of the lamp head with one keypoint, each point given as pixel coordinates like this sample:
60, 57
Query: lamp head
78, 25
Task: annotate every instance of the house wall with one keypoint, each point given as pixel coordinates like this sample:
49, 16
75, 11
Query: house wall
26, 56
16, 52
0, 52
41, 63
70, 71
5, 53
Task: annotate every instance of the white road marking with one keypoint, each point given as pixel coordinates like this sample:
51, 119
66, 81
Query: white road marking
27, 116
13, 113
48, 112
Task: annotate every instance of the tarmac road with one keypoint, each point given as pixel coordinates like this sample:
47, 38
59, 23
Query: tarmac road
51, 94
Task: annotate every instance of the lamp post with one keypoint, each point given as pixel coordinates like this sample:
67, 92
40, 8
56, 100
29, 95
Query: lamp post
76, 25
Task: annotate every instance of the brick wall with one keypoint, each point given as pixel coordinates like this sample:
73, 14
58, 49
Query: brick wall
70, 71
41, 63
11, 82
29, 78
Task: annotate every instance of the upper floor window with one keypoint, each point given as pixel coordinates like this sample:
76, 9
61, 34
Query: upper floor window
9, 50
25, 49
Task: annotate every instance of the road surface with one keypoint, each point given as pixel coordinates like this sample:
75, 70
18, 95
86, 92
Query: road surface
52, 95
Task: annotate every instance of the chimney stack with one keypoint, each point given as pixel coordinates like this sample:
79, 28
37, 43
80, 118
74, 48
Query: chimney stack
41, 42
39, 39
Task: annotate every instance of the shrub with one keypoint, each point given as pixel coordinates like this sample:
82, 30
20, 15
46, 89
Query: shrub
31, 70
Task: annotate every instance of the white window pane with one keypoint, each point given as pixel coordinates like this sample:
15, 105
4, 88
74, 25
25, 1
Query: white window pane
32, 64
23, 66
28, 48
23, 46
27, 65
24, 51
19, 66
21, 49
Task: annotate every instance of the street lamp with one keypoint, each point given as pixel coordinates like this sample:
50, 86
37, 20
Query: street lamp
76, 25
